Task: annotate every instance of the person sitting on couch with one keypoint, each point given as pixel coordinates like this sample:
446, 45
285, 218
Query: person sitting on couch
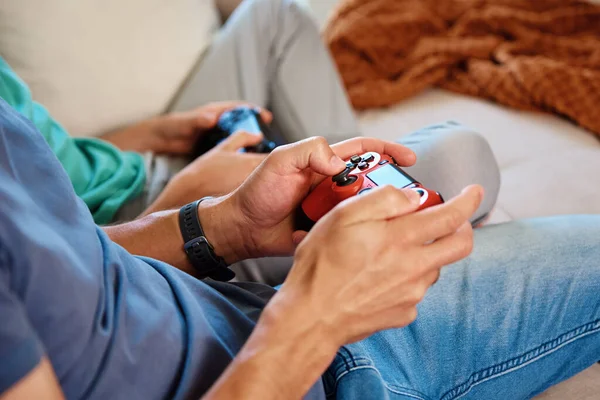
120, 185
83, 318
269, 53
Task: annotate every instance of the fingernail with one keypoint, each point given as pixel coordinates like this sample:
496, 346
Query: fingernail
481, 192
337, 162
412, 196
478, 191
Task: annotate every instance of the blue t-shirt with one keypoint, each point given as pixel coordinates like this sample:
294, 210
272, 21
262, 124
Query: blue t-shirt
114, 326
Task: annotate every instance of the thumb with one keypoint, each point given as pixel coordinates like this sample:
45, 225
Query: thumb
239, 140
205, 120
313, 153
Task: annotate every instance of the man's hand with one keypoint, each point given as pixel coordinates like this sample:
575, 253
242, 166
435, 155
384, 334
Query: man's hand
363, 267
217, 172
263, 206
174, 133
367, 264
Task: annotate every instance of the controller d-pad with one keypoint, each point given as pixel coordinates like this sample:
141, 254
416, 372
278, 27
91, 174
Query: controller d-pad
355, 159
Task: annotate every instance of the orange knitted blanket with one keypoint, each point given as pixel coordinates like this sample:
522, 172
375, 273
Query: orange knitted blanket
528, 54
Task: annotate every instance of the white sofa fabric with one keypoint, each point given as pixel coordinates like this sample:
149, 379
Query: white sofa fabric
99, 65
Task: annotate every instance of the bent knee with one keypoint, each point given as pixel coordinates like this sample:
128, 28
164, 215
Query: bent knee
476, 163
453, 157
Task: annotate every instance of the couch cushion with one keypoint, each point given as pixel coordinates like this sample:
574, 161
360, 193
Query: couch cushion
97, 65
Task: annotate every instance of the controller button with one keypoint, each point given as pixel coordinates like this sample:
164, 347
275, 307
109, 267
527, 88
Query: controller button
363, 165
348, 181
369, 158
420, 191
344, 178
383, 162
355, 159
364, 190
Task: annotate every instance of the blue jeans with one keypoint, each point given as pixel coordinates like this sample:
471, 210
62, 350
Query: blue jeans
521, 314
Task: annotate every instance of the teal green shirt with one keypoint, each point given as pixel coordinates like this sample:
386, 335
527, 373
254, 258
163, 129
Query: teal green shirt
102, 175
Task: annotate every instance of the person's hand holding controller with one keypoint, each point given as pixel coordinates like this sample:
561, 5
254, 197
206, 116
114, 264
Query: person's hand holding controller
174, 133
214, 173
364, 267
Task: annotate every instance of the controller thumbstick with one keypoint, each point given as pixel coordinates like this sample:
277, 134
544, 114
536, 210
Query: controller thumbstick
343, 178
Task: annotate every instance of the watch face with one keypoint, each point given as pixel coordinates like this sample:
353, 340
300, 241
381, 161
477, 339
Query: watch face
390, 175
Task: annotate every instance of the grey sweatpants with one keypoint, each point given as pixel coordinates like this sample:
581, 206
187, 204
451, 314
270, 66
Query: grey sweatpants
270, 53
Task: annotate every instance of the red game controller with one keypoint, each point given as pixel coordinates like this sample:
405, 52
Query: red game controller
362, 174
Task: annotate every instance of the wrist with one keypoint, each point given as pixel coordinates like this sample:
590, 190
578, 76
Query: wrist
156, 235
289, 337
223, 229
136, 137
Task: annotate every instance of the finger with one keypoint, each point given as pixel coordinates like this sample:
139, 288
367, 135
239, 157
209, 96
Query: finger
225, 106
206, 117
218, 108
178, 146
449, 249
439, 221
298, 237
313, 153
404, 156
382, 203
432, 277
239, 140
265, 115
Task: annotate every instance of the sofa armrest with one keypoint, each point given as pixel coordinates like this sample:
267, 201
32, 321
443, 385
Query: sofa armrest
226, 7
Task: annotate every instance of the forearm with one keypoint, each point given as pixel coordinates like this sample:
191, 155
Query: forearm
285, 355
156, 235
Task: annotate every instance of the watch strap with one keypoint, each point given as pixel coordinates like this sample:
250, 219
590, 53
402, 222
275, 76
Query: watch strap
197, 247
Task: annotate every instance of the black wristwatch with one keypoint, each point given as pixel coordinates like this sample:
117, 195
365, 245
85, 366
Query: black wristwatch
199, 251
